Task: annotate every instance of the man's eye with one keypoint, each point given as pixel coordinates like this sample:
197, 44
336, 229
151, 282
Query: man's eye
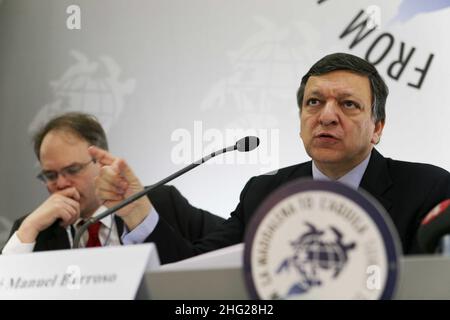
350, 104
50, 175
73, 169
312, 102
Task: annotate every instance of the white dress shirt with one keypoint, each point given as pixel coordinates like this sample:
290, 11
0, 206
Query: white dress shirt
352, 178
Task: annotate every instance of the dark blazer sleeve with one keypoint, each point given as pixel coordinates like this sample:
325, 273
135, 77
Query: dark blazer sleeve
172, 246
191, 222
438, 192
52, 238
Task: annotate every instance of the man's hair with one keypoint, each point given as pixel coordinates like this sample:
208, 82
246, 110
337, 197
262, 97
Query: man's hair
349, 62
83, 125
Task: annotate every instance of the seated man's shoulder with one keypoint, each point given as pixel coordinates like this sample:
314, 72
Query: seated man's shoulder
283, 175
163, 192
416, 170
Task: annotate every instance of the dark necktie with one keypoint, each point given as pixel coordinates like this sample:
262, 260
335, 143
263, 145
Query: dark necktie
94, 240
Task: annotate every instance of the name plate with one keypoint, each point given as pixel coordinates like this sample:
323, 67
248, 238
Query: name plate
94, 273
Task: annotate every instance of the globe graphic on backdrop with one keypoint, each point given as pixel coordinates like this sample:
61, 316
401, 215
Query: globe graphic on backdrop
265, 72
91, 87
87, 94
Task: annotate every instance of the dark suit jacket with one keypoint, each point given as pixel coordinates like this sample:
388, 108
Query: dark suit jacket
180, 216
408, 191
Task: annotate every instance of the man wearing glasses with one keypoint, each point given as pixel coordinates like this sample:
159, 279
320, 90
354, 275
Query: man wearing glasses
69, 173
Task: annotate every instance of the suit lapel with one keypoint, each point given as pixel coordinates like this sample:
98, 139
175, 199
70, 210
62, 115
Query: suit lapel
119, 225
376, 180
304, 170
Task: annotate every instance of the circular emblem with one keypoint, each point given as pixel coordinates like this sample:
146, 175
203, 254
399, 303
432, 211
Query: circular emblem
321, 240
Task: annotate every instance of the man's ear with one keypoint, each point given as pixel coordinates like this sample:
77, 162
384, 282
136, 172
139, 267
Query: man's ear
376, 136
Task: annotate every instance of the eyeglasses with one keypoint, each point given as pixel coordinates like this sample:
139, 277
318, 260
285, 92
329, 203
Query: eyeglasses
51, 176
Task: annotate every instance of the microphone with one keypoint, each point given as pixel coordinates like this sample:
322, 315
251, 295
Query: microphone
242, 145
434, 228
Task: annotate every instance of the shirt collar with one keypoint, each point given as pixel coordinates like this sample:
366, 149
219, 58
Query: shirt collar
352, 178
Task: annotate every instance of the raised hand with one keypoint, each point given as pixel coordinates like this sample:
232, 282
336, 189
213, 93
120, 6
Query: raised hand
116, 182
63, 205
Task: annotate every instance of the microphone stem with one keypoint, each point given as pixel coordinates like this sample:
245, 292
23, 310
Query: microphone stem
145, 191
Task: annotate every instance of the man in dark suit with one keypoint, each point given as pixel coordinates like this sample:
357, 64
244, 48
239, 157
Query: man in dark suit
69, 172
341, 101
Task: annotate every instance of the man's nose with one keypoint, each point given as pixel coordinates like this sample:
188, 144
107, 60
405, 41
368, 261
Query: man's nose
62, 182
329, 114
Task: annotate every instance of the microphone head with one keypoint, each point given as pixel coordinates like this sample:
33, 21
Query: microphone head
434, 226
247, 144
